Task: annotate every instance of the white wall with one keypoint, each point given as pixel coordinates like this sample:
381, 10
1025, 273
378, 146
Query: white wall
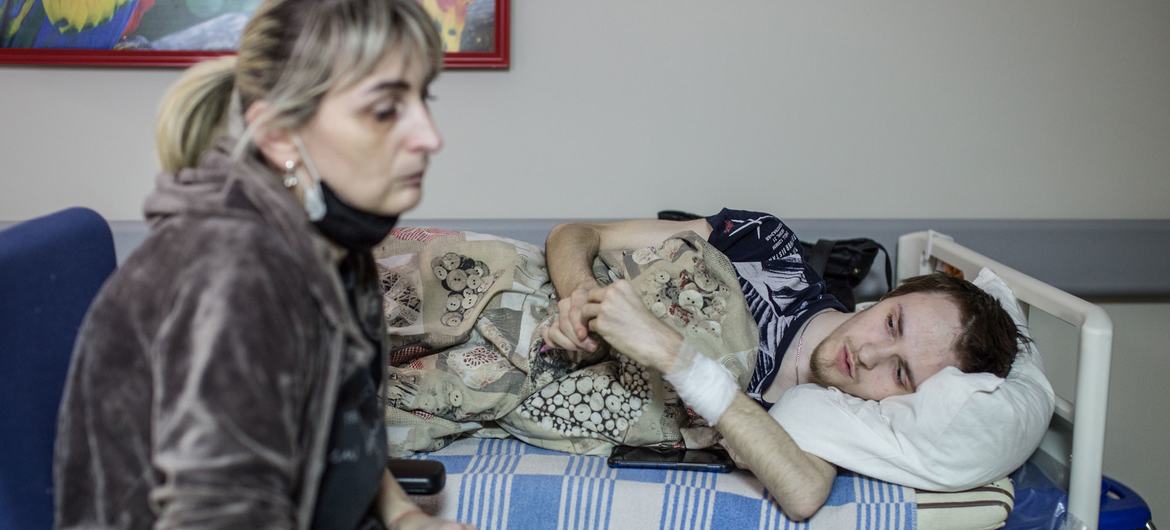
905, 109
1040, 109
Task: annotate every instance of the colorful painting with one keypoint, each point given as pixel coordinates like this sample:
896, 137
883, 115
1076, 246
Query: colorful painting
474, 32
181, 32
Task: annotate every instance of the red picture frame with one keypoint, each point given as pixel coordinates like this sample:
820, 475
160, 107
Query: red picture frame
497, 58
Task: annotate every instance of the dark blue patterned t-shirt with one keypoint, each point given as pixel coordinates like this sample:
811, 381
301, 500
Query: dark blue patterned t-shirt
782, 291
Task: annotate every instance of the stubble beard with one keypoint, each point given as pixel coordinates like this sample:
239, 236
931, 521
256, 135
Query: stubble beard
817, 371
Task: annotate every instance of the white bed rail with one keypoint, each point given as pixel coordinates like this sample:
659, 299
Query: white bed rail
1087, 411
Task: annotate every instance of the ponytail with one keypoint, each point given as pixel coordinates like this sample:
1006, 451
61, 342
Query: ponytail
193, 113
291, 53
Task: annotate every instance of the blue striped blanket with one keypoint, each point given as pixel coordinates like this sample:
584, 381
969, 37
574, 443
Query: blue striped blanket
505, 483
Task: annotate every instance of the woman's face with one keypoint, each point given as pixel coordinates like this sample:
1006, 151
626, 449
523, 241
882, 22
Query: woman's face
371, 142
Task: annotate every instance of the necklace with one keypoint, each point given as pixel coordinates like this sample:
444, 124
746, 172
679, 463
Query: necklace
799, 348
800, 344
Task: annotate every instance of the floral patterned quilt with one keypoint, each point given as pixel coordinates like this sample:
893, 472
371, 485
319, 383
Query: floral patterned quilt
464, 314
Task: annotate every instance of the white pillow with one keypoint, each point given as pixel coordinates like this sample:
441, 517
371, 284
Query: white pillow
957, 432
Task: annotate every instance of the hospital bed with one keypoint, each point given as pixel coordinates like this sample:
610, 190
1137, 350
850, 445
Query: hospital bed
1071, 451
507, 484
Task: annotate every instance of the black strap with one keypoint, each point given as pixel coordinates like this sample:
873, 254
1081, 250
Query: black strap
677, 215
889, 269
818, 257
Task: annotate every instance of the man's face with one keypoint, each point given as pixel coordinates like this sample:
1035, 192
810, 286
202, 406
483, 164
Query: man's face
890, 348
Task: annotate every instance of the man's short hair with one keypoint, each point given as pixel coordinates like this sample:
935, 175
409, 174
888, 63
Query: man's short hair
988, 338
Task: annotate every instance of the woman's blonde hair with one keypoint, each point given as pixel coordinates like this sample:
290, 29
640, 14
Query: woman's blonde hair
291, 53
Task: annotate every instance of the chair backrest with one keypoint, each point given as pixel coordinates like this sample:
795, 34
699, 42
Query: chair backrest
50, 269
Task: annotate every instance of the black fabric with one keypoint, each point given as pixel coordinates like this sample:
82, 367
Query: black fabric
781, 290
355, 458
350, 227
357, 439
677, 215
844, 264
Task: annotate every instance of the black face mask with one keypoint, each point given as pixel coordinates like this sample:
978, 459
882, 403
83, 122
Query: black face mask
350, 227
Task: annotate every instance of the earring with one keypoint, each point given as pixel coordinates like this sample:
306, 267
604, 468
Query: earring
290, 174
315, 201
314, 197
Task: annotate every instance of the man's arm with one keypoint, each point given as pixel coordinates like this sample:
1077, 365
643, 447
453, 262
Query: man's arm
571, 247
570, 250
799, 481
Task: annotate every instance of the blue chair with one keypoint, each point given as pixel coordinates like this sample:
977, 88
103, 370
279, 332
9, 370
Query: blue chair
50, 269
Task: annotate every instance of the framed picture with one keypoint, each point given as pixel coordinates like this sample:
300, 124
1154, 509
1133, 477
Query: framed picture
178, 33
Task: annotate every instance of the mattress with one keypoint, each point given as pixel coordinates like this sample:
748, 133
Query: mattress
507, 484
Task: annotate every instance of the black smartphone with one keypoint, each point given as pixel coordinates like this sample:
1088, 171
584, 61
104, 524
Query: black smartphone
711, 459
418, 477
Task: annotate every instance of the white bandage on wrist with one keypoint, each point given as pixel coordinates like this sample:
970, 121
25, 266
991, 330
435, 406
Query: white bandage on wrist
703, 384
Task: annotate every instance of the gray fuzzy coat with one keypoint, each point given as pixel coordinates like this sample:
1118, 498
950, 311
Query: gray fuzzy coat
205, 374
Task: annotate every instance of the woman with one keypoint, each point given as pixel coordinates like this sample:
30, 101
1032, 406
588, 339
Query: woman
226, 375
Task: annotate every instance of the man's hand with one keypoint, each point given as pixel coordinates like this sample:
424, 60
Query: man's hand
617, 314
570, 329
570, 251
400, 513
417, 520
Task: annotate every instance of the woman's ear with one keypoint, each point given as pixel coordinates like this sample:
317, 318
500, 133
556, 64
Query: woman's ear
276, 145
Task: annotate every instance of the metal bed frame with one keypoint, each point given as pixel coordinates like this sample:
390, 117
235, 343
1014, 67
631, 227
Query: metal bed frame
1072, 449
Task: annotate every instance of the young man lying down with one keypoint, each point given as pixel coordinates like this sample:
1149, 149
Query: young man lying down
924, 325
723, 308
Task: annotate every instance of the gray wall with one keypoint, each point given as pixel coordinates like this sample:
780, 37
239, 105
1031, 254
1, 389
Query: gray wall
1047, 109
1138, 428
